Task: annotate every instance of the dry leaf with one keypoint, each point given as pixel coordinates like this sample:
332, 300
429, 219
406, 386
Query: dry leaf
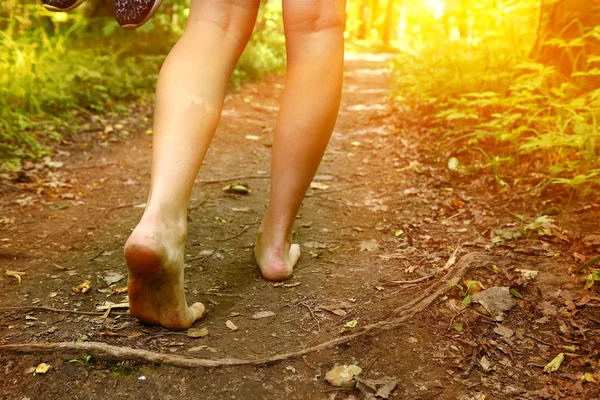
343, 375
263, 314
113, 277
318, 185
555, 364
588, 377
231, 325
237, 188
15, 274
197, 333
42, 368
83, 288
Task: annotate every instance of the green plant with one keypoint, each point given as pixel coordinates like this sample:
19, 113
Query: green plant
86, 362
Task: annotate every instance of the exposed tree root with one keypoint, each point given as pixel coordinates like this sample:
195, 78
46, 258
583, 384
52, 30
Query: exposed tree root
398, 317
56, 310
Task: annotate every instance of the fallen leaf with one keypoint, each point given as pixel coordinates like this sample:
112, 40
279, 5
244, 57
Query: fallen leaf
376, 388
15, 274
118, 291
231, 325
113, 277
343, 375
588, 377
53, 294
453, 163
516, 294
263, 314
197, 333
83, 288
485, 363
351, 324
318, 185
237, 188
473, 286
527, 274
42, 368
458, 326
555, 364
503, 331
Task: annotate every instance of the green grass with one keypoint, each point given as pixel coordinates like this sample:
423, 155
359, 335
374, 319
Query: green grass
499, 111
94, 67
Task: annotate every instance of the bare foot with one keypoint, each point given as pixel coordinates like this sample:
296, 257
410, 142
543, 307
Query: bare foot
155, 254
276, 261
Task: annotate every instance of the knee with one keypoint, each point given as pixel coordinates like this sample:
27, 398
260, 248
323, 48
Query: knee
310, 16
233, 19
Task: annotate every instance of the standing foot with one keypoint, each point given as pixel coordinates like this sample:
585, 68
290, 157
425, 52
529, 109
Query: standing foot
275, 258
155, 255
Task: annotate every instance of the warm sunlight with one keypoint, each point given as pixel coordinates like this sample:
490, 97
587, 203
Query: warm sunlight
300, 199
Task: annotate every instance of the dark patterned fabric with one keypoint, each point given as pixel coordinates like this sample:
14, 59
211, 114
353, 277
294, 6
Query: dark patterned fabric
59, 4
133, 12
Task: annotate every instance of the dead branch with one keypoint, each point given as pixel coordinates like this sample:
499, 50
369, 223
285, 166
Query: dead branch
397, 318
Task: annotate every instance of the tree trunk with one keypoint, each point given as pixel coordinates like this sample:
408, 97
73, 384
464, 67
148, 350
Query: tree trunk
566, 37
364, 17
389, 26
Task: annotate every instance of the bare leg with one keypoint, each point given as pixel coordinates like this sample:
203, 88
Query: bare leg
189, 100
309, 107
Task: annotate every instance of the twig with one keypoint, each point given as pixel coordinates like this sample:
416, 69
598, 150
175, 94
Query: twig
201, 258
312, 314
472, 363
369, 367
244, 229
125, 206
450, 325
220, 294
43, 308
97, 255
398, 317
235, 178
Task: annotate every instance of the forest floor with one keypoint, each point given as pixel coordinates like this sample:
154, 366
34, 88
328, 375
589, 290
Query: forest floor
379, 215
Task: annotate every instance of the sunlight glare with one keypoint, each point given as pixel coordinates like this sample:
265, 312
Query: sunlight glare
438, 8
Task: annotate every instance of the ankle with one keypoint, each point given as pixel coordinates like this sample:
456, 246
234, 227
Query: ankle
165, 217
276, 232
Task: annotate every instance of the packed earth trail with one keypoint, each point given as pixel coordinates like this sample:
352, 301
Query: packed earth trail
382, 230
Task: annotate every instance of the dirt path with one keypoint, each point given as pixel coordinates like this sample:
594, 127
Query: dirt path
379, 213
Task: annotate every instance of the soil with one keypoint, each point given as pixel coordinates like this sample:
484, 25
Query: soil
382, 210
